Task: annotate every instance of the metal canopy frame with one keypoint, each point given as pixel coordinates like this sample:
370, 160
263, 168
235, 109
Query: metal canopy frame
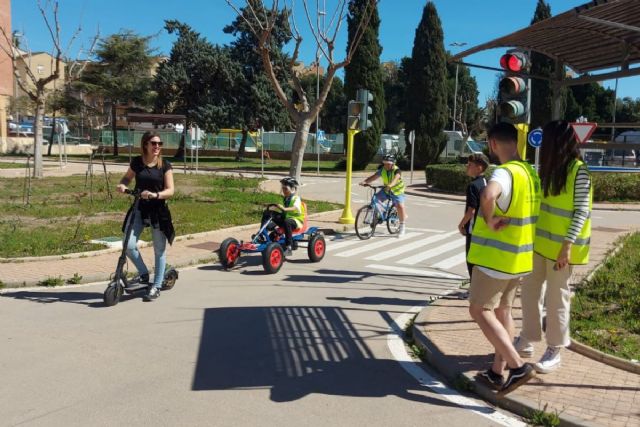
598, 36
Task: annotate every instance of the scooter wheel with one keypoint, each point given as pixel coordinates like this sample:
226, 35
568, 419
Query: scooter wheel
112, 294
170, 280
272, 258
229, 252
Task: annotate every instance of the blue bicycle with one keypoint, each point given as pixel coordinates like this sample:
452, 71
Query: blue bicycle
376, 212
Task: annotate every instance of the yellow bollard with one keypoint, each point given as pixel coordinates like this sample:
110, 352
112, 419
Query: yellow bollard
523, 133
347, 216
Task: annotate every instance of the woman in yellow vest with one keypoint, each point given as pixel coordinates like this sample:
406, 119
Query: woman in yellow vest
563, 233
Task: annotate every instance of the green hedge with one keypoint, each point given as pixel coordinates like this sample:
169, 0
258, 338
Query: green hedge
609, 187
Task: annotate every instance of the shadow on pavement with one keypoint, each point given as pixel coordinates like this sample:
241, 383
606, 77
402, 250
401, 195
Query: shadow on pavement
379, 301
90, 299
296, 351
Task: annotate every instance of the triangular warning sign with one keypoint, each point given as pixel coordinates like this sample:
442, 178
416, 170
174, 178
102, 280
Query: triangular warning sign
583, 131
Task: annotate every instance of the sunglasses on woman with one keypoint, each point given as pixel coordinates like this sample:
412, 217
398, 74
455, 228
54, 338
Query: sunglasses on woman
158, 143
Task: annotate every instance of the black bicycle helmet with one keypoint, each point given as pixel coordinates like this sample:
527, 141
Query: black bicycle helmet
289, 181
389, 158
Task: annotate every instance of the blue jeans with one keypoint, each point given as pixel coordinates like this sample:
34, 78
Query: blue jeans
159, 249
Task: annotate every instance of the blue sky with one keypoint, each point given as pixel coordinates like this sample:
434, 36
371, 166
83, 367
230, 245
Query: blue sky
470, 21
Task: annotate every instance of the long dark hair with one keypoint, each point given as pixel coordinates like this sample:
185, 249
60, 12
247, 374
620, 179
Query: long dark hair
146, 137
559, 149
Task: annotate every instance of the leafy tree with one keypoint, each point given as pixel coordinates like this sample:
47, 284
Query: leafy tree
256, 106
426, 109
267, 25
121, 74
333, 115
395, 88
542, 65
364, 72
467, 112
199, 80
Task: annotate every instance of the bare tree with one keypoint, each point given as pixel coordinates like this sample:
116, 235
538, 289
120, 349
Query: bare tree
261, 21
36, 87
467, 127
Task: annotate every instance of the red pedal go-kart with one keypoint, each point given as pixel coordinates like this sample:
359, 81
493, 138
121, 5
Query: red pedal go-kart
270, 242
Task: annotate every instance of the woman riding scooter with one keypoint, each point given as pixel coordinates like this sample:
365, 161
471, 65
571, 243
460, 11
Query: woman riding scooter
154, 180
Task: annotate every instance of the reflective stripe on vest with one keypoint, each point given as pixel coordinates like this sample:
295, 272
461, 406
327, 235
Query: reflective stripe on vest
298, 217
510, 250
387, 177
556, 215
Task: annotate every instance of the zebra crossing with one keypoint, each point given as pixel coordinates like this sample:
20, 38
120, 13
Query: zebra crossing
437, 253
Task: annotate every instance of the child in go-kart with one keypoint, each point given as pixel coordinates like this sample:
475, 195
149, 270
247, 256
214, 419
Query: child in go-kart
292, 213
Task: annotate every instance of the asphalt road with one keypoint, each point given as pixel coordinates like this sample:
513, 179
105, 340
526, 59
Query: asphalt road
315, 344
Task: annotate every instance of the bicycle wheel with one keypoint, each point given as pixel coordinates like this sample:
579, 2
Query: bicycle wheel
393, 221
366, 222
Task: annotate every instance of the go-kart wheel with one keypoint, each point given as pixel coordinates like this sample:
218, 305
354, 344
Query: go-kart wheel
169, 279
317, 247
272, 258
229, 252
112, 294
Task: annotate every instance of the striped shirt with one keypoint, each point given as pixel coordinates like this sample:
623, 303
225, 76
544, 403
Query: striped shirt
580, 204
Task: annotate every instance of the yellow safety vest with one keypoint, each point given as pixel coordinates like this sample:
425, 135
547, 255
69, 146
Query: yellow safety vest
387, 177
556, 214
510, 250
298, 217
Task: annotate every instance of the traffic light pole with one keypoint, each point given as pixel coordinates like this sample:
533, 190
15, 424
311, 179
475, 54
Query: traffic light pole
347, 216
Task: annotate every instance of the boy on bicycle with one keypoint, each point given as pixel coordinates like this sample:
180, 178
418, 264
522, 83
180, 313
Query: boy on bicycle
393, 187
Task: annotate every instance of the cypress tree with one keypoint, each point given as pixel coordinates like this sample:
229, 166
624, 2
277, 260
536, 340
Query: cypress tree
426, 110
364, 72
541, 91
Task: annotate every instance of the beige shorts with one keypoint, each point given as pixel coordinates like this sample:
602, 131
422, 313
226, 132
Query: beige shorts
491, 293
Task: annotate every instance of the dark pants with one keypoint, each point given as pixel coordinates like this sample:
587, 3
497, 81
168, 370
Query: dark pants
288, 225
467, 246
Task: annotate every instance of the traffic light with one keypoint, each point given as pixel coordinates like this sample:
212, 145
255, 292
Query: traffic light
514, 92
359, 111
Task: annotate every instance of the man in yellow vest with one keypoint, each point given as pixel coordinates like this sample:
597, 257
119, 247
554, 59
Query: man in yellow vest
502, 253
391, 176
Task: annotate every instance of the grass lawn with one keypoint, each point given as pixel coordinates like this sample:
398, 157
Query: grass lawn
606, 309
61, 218
4, 165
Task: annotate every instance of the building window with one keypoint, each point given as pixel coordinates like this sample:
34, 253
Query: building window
40, 69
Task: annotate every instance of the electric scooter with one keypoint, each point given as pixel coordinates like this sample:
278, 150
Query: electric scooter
120, 284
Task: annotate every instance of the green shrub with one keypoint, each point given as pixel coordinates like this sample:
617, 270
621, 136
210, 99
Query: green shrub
607, 187
75, 280
52, 282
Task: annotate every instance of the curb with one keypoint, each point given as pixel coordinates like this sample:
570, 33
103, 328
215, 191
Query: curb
520, 406
607, 359
211, 257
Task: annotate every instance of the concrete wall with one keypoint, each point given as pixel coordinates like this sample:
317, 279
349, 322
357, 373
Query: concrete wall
6, 67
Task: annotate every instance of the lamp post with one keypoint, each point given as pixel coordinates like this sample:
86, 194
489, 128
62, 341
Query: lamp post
455, 92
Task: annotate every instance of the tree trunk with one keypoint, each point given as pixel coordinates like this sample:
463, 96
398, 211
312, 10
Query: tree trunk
180, 151
243, 145
114, 129
38, 140
299, 144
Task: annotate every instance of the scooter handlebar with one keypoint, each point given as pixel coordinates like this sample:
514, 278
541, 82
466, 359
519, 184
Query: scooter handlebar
132, 192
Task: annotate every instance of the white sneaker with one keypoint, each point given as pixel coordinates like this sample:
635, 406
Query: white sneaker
402, 231
523, 347
550, 360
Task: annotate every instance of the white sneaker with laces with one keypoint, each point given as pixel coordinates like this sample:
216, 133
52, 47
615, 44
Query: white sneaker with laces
549, 361
523, 347
402, 231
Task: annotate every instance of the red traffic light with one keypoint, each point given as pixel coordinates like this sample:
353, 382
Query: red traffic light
514, 61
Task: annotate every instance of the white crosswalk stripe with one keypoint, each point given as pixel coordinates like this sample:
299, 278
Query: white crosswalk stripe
376, 245
341, 244
414, 271
408, 247
432, 253
452, 261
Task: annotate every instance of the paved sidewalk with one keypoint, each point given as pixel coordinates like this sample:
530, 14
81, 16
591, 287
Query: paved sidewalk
93, 268
583, 391
424, 191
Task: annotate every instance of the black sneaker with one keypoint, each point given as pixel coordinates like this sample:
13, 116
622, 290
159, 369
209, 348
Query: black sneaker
294, 245
288, 253
517, 377
152, 294
491, 378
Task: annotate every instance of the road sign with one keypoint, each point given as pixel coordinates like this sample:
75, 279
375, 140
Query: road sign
535, 138
583, 131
